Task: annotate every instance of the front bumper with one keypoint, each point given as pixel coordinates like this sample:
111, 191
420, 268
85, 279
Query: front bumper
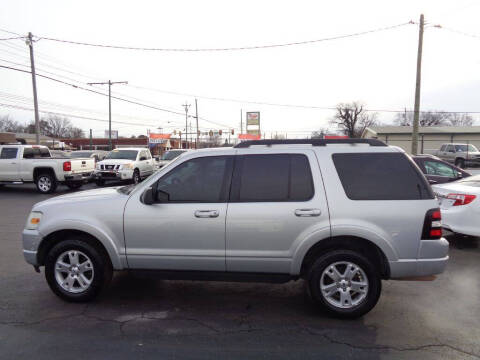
31, 240
106, 175
432, 259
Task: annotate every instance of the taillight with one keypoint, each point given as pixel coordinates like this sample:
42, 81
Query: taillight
432, 227
67, 166
461, 199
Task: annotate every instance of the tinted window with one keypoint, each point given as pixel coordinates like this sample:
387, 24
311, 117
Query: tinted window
198, 180
27, 153
8, 153
465, 148
450, 148
443, 148
279, 177
380, 176
44, 152
122, 154
439, 169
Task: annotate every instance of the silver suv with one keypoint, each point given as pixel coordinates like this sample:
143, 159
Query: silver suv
340, 214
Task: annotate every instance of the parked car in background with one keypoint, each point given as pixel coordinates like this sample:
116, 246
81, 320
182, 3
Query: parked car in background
21, 164
342, 217
460, 205
462, 155
131, 164
168, 156
438, 171
98, 155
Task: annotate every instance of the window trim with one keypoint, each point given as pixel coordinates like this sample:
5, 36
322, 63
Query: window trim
226, 184
238, 169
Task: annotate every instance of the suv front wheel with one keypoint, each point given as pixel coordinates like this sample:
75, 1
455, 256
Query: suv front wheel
344, 283
77, 271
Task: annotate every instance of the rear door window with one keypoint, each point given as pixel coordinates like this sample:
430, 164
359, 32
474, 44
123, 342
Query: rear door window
8, 153
273, 177
44, 153
380, 176
28, 153
439, 169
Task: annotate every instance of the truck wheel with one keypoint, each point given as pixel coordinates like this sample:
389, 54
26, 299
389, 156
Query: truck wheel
460, 163
74, 185
344, 283
46, 183
77, 271
136, 177
100, 182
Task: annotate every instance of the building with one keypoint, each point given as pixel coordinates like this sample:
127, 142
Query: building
429, 138
102, 143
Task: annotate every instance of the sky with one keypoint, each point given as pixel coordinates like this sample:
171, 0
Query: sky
377, 69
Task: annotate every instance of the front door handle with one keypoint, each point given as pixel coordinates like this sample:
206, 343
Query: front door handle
308, 212
206, 213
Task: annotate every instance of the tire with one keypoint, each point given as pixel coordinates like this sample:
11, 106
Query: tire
100, 182
96, 269
46, 183
74, 185
356, 303
460, 163
136, 177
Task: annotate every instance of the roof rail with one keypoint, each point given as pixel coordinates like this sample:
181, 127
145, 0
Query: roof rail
313, 142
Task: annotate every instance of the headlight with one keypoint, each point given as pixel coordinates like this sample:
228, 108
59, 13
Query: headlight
127, 166
33, 220
97, 167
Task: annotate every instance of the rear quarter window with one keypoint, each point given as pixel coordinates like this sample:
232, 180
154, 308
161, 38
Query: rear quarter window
381, 176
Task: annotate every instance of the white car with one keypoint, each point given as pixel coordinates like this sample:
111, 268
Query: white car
127, 164
460, 205
168, 156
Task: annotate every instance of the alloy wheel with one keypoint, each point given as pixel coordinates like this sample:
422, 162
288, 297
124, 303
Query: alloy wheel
74, 271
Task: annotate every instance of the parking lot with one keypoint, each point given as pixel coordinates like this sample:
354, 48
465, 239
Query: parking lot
144, 318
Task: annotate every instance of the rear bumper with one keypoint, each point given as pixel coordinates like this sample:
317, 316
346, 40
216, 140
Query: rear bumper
432, 259
78, 177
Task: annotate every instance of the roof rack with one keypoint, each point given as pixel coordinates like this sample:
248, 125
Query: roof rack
313, 142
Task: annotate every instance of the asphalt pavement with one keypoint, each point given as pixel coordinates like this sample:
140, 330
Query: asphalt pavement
145, 318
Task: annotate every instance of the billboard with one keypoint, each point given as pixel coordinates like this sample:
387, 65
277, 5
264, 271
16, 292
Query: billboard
114, 134
253, 131
253, 118
158, 138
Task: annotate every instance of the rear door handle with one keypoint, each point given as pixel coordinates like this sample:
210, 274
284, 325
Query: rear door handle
308, 212
206, 213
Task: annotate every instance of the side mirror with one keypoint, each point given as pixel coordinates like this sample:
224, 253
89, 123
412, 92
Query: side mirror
148, 197
432, 182
143, 158
162, 196
157, 158
459, 175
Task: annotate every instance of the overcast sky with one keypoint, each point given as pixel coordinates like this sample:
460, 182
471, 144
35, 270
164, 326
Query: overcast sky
377, 69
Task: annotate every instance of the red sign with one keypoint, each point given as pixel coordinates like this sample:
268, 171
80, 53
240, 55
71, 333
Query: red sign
158, 138
336, 137
248, 137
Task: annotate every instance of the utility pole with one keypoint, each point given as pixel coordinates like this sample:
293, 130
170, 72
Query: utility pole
91, 141
186, 106
196, 118
416, 114
34, 85
109, 83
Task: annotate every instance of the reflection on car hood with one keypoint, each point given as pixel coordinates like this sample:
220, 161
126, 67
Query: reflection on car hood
82, 196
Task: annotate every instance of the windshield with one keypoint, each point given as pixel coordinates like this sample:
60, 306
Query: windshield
80, 154
465, 148
122, 154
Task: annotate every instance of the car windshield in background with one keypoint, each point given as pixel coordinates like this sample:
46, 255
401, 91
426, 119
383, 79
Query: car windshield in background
80, 154
465, 148
172, 154
122, 154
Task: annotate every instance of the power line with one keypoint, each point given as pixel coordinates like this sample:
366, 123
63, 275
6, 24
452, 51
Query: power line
13, 38
457, 31
252, 47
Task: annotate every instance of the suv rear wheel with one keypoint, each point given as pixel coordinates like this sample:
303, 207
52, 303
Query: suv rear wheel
46, 183
77, 271
344, 283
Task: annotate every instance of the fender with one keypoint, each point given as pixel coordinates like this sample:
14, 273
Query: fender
116, 254
340, 230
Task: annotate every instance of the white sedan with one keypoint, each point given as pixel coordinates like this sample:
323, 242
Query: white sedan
460, 205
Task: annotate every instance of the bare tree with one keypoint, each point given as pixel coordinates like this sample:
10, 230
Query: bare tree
57, 127
434, 118
352, 118
7, 124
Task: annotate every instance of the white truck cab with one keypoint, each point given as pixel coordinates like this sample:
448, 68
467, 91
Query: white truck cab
125, 164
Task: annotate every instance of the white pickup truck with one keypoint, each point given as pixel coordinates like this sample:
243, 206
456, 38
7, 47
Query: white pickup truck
21, 164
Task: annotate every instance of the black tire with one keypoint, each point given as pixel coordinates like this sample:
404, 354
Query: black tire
100, 182
74, 185
314, 277
102, 269
136, 177
46, 183
460, 163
